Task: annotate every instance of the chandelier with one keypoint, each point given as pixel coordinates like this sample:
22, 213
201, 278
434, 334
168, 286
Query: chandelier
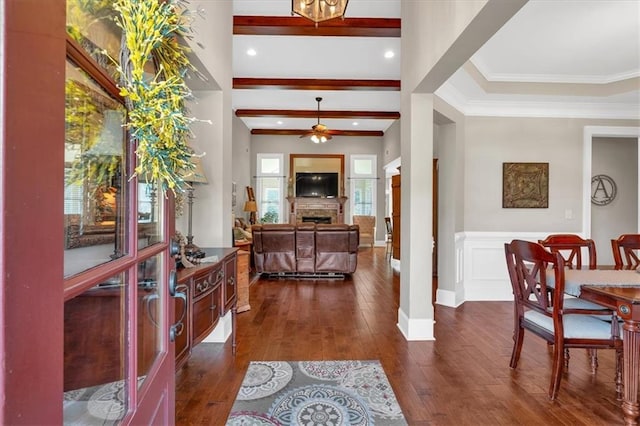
319, 10
319, 133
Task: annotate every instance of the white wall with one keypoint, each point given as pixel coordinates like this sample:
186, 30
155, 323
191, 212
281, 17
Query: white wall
212, 209
438, 38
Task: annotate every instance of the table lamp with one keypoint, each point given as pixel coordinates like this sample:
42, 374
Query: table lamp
252, 208
193, 176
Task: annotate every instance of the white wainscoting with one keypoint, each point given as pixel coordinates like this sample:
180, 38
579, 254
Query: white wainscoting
484, 271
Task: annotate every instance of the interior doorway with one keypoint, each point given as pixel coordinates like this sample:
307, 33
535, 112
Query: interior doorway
614, 192
618, 134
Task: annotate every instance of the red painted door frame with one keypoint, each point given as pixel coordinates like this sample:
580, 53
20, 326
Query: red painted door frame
31, 225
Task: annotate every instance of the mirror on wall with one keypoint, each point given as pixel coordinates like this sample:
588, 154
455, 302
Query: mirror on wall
306, 167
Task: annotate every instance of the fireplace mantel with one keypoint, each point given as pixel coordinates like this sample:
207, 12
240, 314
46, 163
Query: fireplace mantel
316, 207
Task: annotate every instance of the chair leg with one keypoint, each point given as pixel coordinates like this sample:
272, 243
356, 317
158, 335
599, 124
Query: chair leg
518, 338
593, 356
556, 372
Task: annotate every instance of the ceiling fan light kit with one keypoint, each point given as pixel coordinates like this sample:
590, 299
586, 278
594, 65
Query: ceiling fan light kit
319, 10
319, 133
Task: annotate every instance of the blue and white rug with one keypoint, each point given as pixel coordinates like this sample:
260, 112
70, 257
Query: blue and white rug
315, 393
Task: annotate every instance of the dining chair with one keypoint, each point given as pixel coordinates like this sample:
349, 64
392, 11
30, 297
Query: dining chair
571, 246
627, 245
389, 237
563, 327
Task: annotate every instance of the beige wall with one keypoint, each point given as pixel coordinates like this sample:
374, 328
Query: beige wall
490, 141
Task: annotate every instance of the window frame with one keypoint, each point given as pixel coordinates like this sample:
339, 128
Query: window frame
355, 177
260, 188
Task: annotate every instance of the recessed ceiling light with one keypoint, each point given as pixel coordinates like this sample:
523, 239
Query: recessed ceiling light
279, 122
389, 54
252, 52
355, 123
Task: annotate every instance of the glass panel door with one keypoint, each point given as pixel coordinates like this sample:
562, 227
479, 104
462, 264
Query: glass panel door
119, 362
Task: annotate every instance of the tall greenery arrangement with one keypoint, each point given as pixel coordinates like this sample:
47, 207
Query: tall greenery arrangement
157, 118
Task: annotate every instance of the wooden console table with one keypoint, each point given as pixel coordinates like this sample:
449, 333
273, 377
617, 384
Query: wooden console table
211, 292
243, 280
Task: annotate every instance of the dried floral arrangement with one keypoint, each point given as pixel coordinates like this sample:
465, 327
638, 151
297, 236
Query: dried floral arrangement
157, 118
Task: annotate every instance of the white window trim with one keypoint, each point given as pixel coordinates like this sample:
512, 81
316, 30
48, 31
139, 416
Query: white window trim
260, 174
373, 175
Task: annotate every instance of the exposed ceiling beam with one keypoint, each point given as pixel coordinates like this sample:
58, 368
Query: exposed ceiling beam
294, 132
383, 115
297, 26
315, 84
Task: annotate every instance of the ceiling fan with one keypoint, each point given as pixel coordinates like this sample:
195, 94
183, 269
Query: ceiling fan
319, 133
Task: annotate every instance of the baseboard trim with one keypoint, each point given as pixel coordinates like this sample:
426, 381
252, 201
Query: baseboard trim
447, 298
415, 329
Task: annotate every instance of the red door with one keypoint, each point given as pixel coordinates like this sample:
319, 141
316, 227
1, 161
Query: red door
86, 304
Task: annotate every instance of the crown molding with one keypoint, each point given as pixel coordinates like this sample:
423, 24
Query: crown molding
490, 76
450, 94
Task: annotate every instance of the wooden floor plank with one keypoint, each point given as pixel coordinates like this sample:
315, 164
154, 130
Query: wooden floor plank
461, 378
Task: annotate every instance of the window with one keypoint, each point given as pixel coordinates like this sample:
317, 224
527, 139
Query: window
363, 182
270, 187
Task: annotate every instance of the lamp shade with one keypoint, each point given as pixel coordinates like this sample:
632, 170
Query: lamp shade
195, 175
250, 206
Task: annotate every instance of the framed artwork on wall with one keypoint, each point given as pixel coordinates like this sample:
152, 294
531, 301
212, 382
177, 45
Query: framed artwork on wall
525, 185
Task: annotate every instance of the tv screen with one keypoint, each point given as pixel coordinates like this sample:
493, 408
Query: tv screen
316, 184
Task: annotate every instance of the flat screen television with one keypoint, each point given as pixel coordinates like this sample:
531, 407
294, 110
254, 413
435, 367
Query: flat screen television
323, 184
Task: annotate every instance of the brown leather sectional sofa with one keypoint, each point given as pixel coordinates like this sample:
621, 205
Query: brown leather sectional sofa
305, 248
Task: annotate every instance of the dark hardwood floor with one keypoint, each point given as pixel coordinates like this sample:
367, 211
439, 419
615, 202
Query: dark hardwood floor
461, 378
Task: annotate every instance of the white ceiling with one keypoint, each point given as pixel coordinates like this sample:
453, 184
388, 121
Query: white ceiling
553, 58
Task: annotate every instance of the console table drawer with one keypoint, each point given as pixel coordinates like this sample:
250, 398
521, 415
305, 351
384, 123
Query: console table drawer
206, 312
204, 283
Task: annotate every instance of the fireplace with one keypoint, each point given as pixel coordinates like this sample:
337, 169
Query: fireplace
314, 208
317, 219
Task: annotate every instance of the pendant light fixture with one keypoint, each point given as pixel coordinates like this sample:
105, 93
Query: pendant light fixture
319, 10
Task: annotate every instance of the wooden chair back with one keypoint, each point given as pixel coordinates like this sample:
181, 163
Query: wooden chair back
570, 247
626, 250
526, 264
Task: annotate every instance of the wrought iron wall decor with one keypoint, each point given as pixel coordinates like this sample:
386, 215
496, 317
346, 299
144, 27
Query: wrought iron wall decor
603, 190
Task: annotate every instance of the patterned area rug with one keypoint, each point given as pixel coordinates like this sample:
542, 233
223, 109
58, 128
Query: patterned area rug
315, 393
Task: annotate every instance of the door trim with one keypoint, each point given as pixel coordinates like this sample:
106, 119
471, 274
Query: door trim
588, 134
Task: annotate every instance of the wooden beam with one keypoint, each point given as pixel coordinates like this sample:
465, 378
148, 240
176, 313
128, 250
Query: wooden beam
381, 115
315, 84
294, 132
298, 26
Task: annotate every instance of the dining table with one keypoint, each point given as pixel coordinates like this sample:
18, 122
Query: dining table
618, 290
